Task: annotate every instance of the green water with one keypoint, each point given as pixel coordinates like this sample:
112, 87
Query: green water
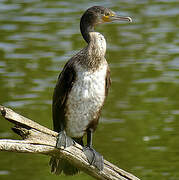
138, 130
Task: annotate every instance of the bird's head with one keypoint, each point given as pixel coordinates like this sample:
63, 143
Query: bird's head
98, 15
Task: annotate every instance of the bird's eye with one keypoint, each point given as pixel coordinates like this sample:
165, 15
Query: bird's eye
107, 14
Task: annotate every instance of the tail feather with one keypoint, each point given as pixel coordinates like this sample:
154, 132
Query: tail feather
61, 165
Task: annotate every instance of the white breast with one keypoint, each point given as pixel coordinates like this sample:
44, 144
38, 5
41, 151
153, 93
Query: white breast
85, 99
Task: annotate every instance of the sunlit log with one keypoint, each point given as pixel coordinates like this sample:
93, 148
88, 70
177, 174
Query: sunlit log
38, 139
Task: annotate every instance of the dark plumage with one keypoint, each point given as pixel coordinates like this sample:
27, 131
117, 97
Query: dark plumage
81, 90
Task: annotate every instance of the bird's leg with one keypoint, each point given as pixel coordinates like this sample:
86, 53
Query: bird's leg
63, 140
94, 158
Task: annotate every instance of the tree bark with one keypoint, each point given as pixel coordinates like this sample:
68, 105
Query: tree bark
38, 139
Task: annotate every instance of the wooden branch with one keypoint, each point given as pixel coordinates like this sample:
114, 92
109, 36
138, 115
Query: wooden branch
38, 139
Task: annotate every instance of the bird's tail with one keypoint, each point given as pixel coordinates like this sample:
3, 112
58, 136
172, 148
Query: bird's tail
61, 165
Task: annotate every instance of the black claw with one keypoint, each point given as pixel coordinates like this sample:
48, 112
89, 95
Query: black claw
63, 140
89, 154
94, 158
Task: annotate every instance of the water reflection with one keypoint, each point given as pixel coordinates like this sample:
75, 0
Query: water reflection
139, 121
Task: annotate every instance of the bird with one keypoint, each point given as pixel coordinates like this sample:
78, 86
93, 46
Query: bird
81, 90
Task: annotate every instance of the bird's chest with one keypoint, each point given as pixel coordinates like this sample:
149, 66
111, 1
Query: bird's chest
89, 85
85, 99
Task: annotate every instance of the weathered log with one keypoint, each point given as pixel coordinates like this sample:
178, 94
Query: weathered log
38, 139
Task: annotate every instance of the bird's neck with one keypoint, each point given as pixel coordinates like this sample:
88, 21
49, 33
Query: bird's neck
86, 28
97, 45
93, 54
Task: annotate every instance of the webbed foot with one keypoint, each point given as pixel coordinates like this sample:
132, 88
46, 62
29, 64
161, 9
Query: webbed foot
63, 140
94, 158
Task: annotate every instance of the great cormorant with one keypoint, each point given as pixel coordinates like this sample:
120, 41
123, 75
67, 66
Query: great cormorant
81, 90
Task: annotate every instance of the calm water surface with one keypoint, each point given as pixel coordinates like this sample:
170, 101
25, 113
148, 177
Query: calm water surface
139, 128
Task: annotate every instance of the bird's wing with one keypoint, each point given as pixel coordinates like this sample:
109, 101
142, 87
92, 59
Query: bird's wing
61, 91
108, 81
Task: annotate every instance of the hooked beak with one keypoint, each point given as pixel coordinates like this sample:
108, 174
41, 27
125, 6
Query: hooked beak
114, 17
120, 18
